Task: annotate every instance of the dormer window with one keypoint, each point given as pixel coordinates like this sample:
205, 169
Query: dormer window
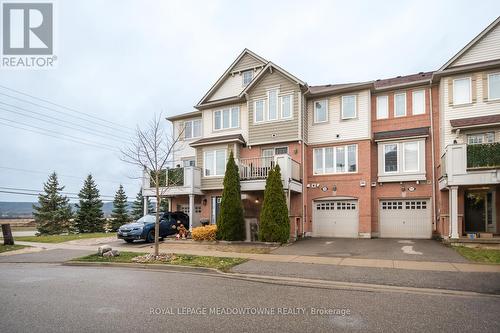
247, 77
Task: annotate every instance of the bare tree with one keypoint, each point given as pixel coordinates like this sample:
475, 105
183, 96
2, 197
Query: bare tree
153, 150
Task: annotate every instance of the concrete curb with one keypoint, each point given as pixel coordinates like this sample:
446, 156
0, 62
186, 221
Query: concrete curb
165, 267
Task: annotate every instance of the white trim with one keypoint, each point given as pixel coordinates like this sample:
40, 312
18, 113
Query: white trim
346, 159
276, 90
386, 106
214, 163
489, 91
314, 111
470, 90
355, 107
404, 156
413, 102
263, 111
397, 158
230, 109
192, 128
395, 95
280, 98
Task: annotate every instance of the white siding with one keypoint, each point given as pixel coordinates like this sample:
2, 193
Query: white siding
182, 148
488, 48
208, 122
477, 109
231, 86
348, 130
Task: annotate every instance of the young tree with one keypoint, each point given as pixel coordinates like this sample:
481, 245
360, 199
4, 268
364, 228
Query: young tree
89, 217
138, 206
120, 211
152, 151
53, 212
230, 222
274, 222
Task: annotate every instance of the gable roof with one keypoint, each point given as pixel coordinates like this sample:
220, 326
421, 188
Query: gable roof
471, 44
406, 80
218, 83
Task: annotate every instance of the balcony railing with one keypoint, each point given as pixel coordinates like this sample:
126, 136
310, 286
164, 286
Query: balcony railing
482, 156
183, 179
256, 168
172, 177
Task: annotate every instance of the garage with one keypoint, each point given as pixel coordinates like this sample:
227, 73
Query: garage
405, 218
336, 218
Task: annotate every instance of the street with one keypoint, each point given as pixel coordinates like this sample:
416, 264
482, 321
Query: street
40, 297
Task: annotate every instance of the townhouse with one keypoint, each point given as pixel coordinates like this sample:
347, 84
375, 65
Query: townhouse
413, 156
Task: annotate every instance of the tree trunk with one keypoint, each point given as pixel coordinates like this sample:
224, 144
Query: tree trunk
7, 235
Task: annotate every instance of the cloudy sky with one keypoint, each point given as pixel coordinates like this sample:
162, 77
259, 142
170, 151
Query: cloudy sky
122, 61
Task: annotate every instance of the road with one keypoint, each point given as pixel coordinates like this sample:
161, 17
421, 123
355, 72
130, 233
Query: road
40, 297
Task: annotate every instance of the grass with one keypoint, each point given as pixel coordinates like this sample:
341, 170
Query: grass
5, 248
220, 263
479, 255
61, 238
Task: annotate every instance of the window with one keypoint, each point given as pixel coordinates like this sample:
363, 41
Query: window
272, 96
188, 162
192, 129
479, 138
391, 158
259, 110
227, 118
494, 86
418, 102
338, 159
462, 91
382, 107
286, 106
215, 162
410, 156
281, 150
320, 111
400, 105
247, 77
349, 107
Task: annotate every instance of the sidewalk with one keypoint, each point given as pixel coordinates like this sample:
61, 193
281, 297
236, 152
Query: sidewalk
331, 261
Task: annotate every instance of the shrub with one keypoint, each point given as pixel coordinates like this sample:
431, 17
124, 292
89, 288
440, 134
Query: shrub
204, 233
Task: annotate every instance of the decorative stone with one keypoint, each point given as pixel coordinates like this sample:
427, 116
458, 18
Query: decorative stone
103, 249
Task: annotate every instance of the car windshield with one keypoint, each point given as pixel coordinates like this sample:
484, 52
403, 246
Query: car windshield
147, 219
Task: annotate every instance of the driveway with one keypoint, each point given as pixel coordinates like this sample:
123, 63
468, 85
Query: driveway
392, 249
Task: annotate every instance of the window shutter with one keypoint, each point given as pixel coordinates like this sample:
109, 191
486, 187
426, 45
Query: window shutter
485, 87
450, 91
474, 88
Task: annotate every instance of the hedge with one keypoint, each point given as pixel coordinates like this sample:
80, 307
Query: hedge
483, 155
204, 233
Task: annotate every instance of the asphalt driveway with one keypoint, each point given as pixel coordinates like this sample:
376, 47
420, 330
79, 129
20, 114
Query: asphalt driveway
391, 249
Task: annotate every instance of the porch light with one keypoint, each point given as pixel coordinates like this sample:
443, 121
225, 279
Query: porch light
257, 200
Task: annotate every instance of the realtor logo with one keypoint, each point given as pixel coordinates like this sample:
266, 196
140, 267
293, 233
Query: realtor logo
27, 30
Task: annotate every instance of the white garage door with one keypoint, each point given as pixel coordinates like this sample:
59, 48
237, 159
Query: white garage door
336, 218
405, 219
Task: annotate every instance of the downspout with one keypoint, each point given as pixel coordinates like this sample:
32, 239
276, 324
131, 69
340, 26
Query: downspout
304, 203
434, 222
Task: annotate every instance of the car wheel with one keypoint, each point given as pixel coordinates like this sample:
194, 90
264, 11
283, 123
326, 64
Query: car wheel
129, 240
150, 238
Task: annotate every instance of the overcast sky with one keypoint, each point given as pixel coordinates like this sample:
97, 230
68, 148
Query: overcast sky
125, 60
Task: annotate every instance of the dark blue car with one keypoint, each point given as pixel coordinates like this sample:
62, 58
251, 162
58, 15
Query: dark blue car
144, 228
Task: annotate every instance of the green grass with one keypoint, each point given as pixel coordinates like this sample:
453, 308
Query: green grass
479, 255
221, 263
5, 248
61, 238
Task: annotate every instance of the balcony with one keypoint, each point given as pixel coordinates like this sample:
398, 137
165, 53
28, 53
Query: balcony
174, 181
463, 164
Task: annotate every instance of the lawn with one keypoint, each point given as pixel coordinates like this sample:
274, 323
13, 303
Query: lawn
5, 248
221, 263
479, 255
61, 238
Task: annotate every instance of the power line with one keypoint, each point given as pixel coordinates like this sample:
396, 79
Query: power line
40, 191
65, 107
35, 194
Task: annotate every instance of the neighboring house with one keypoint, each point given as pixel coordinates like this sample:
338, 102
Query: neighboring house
385, 158
469, 168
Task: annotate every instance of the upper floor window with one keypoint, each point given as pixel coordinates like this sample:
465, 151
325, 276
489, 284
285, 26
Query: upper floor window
192, 129
462, 93
340, 159
400, 105
272, 96
479, 138
349, 107
286, 106
259, 108
214, 162
382, 107
402, 157
410, 156
418, 102
494, 86
321, 111
391, 157
247, 77
278, 107
227, 118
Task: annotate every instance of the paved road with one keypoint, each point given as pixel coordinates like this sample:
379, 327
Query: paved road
54, 298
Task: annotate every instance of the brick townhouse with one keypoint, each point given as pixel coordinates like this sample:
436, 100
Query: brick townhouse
413, 156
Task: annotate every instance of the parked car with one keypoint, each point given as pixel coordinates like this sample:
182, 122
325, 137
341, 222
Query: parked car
144, 228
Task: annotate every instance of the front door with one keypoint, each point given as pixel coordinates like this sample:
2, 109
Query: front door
479, 211
215, 209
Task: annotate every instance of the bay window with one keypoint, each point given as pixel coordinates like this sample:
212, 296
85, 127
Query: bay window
391, 158
214, 162
418, 102
402, 161
462, 91
349, 107
410, 156
331, 160
227, 118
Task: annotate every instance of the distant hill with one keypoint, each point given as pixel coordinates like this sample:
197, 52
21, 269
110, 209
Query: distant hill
25, 209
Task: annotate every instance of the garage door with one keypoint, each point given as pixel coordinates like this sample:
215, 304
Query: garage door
336, 218
405, 219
